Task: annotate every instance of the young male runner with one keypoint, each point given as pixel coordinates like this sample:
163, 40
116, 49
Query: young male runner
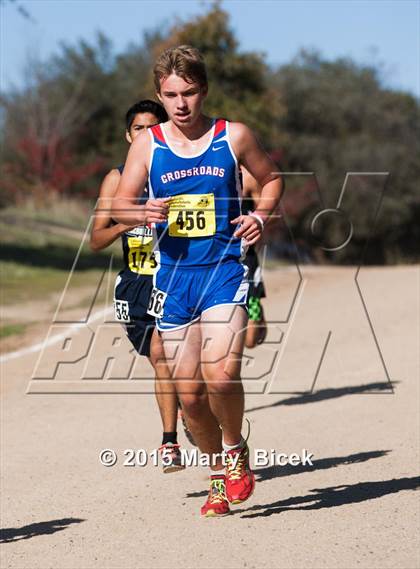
192, 166
257, 327
134, 283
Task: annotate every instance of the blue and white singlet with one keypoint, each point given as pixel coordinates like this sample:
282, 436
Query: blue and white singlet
206, 193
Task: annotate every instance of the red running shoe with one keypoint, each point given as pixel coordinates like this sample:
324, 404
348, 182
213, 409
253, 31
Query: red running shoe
240, 480
216, 504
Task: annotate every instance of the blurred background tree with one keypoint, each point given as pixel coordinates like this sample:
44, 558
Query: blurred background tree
64, 129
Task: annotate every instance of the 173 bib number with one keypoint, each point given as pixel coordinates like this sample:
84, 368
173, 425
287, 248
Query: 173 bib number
141, 258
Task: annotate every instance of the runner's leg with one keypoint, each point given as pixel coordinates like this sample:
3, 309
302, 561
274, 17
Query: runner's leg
183, 350
223, 329
165, 392
257, 327
165, 389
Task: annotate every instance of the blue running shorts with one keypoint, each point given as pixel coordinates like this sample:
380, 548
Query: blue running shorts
181, 295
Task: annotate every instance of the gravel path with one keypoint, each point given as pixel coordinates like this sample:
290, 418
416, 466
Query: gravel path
355, 507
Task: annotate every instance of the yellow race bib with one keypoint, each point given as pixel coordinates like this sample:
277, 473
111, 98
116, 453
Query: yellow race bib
141, 258
192, 215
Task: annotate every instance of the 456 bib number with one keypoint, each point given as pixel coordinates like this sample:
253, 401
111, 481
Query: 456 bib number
190, 220
192, 215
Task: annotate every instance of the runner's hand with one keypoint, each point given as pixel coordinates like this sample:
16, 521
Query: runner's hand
125, 228
156, 211
250, 228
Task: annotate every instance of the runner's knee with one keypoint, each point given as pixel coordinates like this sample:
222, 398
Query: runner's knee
224, 383
193, 403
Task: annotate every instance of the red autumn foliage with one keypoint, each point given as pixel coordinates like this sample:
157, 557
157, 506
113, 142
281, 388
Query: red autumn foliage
53, 163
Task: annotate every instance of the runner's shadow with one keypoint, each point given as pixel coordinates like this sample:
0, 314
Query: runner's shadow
199, 494
335, 496
8, 535
270, 472
330, 393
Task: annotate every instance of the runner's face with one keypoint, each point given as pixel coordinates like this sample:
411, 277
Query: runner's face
182, 100
141, 121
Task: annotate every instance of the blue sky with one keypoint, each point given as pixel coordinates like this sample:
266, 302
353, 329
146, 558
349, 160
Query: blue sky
386, 31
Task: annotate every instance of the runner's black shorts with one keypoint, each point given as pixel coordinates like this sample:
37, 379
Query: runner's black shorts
131, 301
256, 284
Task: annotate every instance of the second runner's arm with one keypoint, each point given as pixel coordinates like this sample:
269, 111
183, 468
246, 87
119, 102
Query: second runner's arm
103, 232
125, 208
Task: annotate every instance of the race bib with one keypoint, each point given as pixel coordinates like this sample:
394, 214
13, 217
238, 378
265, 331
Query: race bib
141, 258
156, 302
192, 215
121, 310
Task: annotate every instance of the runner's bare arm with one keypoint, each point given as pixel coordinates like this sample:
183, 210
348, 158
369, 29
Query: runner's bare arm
125, 208
103, 231
250, 186
251, 155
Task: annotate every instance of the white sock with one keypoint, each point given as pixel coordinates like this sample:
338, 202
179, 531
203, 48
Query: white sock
227, 447
220, 472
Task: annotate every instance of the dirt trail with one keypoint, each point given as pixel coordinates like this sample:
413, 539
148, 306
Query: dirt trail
356, 507
38, 314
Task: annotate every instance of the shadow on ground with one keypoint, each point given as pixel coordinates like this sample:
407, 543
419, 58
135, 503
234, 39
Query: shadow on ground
330, 393
270, 472
8, 535
334, 496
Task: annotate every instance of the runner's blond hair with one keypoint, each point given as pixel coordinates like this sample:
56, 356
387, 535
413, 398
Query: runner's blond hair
185, 61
